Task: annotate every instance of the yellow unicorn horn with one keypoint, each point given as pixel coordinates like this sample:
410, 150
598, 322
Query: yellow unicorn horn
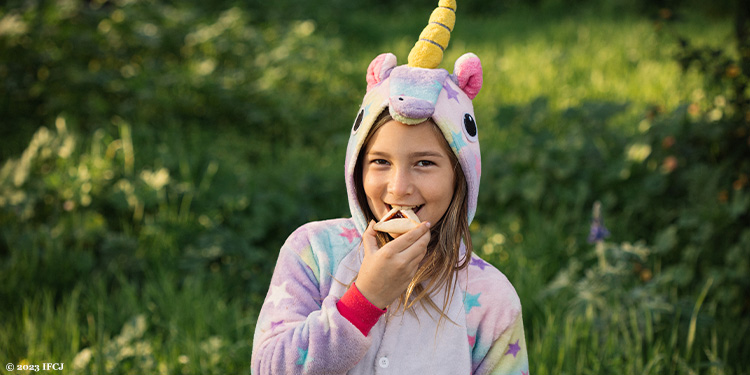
428, 51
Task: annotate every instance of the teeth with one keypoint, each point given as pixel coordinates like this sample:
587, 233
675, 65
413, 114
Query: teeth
404, 207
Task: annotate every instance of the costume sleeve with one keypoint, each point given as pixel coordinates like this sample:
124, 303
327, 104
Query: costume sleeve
299, 329
494, 322
357, 309
507, 353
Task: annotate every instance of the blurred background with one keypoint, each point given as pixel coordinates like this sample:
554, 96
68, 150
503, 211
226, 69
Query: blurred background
154, 155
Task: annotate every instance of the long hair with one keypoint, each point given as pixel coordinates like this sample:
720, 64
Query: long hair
441, 261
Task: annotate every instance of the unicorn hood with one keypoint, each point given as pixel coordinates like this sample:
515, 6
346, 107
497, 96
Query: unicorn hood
419, 91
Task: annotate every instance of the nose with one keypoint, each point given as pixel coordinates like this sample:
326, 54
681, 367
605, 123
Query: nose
401, 183
411, 107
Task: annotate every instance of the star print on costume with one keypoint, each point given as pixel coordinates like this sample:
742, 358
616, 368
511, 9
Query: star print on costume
366, 110
458, 142
437, 85
349, 233
524, 372
452, 94
471, 301
472, 340
513, 349
278, 293
478, 262
307, 257
303, 358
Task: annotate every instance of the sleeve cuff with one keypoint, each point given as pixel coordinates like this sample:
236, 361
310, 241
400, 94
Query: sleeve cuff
358, 310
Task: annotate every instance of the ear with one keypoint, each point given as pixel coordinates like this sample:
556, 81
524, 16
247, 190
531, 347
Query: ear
379, 69
467, 74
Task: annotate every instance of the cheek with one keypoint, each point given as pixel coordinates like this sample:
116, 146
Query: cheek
368, 183
371, 186
442, 191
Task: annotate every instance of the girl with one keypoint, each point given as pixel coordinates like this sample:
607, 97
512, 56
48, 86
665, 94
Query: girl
345, 299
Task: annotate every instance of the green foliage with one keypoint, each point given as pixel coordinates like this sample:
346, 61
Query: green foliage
163, 65
73, 214
139, 234
679, 184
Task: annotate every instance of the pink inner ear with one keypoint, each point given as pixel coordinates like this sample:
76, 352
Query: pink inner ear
469, 73
473, 85
372, 76
379, 69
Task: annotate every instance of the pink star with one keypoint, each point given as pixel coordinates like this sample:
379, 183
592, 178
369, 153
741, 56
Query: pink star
513, 349
524, 373
472, 340
349, 233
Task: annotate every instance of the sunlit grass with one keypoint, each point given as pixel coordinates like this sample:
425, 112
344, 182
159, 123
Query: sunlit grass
567, 58
190, 329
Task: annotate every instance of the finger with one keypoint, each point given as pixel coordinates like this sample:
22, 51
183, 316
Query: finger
417, 250
369, 240
407, 239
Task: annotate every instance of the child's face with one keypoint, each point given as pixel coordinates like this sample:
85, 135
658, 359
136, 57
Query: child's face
408, 165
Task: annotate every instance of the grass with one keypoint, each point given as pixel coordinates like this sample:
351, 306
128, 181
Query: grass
568, 57
167, 328
155, 318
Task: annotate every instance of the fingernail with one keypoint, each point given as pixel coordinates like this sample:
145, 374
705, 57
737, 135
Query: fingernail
428, 224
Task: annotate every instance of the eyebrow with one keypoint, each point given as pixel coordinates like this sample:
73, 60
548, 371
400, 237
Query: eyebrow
416, 154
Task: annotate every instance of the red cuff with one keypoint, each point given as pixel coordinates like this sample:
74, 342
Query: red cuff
358, 310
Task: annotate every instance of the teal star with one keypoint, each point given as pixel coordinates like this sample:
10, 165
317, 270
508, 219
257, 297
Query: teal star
471, 301
437, 86
302, 356
367, 110
458, 141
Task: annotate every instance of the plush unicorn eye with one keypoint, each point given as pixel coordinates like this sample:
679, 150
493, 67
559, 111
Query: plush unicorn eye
358, 121
470, 127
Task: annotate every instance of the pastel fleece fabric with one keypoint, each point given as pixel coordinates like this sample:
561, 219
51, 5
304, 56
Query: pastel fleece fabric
300, 329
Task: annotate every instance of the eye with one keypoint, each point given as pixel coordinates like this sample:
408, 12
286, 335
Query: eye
470, 127
379, 162
358, 121
425, 163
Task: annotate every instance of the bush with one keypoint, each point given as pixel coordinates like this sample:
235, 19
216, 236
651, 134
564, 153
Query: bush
678, 190
163, 66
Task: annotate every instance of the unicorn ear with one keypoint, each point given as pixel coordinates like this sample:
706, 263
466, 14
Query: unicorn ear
379, 69
467, 74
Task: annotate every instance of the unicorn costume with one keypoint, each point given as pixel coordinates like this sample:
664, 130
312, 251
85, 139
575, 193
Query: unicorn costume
313, 322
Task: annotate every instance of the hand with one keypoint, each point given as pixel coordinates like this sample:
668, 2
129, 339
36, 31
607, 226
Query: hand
386, 272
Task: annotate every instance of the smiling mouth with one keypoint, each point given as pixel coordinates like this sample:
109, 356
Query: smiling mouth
398, 210
399, 220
